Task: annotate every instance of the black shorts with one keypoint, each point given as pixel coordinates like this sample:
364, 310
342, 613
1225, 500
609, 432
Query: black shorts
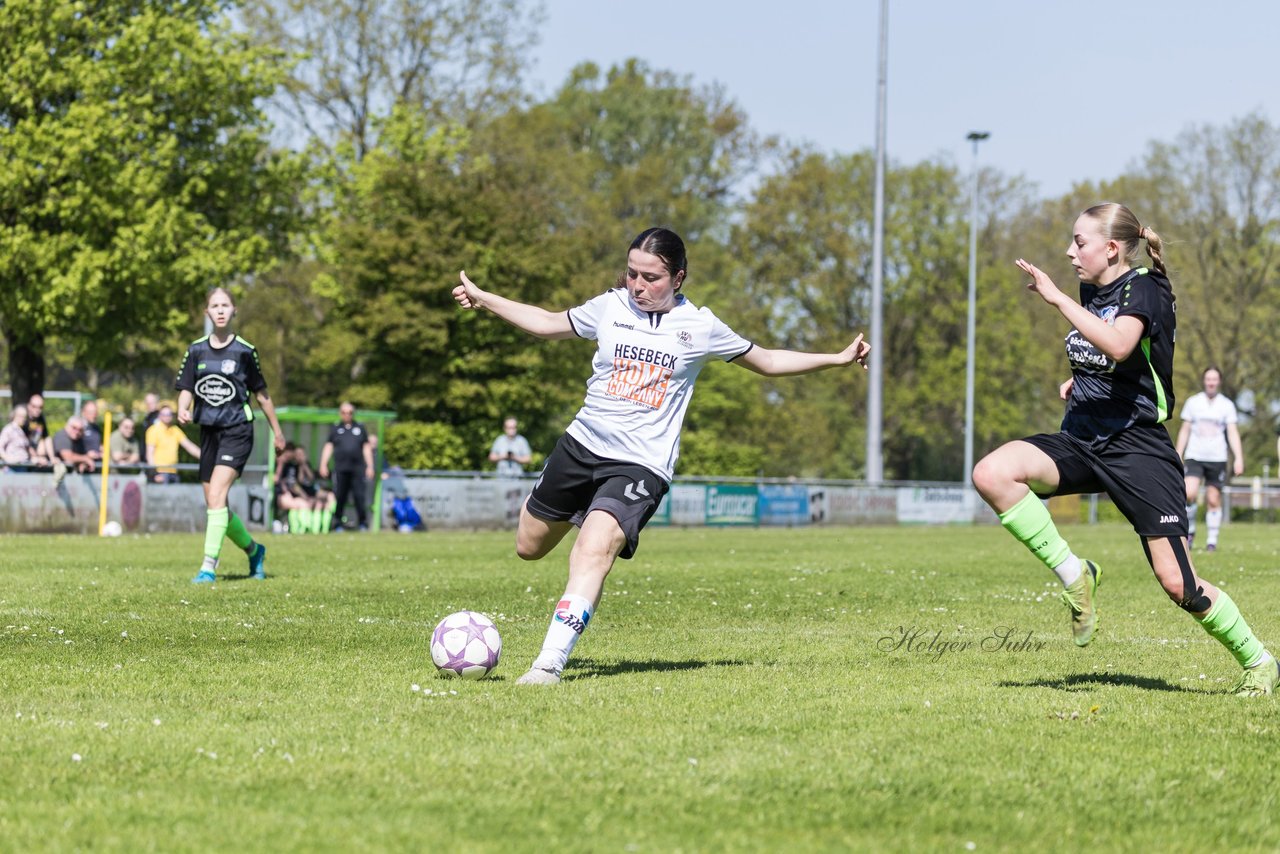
576, 481
225, 446
1138, 467
1211, 474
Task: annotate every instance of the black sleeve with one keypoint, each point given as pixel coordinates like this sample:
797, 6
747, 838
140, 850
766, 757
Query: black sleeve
253, 378
1142, 301
186, 380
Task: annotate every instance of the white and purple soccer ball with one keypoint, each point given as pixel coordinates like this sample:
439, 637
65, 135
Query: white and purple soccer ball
466, 644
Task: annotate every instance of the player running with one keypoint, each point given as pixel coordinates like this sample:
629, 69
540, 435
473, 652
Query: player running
1209, 422
218, 373
614, 463
1120, 391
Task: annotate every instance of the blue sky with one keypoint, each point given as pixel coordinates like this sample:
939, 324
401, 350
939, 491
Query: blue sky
1069, 91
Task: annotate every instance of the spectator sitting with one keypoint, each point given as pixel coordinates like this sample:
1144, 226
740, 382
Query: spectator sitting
70, 449
15, 449
163, 441
38, 431
309, 507
125, 448
92, 432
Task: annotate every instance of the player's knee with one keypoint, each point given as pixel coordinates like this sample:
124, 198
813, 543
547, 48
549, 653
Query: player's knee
989, 475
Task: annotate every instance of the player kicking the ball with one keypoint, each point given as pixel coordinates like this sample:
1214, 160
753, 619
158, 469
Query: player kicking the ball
1120, 392
612, 466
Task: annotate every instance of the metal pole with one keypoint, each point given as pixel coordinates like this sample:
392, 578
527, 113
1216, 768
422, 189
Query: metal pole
875, 458
975, 137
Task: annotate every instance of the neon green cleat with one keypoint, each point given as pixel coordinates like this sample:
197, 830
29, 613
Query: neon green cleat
1258, 681
1079, 599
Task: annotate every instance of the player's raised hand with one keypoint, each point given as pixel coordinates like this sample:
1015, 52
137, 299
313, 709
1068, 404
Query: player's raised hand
1040, 282
857, 352
468, 296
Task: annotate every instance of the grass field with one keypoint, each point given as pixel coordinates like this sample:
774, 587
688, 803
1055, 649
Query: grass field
737, 690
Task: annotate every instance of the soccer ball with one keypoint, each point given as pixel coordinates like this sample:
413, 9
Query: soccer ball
466, 644
112, 529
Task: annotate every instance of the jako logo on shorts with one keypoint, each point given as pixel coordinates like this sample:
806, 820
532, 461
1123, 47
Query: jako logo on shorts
566, 616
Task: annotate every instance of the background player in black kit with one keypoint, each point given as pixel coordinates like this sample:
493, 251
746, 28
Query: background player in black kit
217, 374
1113, 439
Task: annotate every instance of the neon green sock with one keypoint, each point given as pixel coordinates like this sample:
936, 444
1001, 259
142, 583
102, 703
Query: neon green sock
326, 520
1029, 521
295, 521
214, 531
313, 520
238, 533
1225, 625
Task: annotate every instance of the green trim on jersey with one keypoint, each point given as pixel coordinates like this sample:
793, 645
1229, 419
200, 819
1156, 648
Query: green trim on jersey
246, 343
1162, 402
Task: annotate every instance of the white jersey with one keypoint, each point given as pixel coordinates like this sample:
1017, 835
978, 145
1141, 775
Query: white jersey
1209, 418
643, 374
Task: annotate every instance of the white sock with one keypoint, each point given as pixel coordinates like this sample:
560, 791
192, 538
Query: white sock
567, 625
1213, 521
1069, 570
1191, 520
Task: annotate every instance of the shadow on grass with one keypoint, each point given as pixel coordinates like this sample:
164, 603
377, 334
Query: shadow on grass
1085, 681
583, 667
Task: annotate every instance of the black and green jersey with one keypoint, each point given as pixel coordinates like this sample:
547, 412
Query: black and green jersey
1107, 396
221, 380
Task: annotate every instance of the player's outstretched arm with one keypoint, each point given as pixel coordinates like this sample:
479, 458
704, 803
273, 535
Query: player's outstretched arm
785, 363
527, 318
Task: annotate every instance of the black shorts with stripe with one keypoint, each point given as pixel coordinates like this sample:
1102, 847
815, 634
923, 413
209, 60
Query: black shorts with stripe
576, 481
225, 446
1212, 474
1138, 467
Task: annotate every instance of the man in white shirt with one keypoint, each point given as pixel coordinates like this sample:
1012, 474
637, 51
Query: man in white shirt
1209, 425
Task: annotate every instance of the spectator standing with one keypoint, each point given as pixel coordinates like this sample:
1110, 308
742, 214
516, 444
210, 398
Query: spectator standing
125, 448
92, 432
38, 430
510, 450
351, 452
15, 449
163, 441
152, 403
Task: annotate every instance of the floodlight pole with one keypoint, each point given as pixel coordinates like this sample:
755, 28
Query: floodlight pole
875, 418
975, 137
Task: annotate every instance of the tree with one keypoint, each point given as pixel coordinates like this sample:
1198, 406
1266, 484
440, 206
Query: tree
133, 174
357, 60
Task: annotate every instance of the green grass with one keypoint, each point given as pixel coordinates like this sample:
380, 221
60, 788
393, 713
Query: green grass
734, 692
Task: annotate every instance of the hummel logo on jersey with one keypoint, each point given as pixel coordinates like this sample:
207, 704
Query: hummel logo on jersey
1170, 520
630, 326
640, 491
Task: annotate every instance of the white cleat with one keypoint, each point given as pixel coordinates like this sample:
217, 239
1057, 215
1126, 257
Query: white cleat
538, 676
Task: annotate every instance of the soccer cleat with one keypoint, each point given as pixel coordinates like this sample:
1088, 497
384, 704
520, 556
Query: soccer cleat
1212, 547
256, 561
204, 576
538, 676
1258, 681
1079, 599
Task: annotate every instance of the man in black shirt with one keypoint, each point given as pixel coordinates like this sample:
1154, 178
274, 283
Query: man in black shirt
351, 453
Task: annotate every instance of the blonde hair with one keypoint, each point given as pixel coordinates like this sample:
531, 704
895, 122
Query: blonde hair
1116, 222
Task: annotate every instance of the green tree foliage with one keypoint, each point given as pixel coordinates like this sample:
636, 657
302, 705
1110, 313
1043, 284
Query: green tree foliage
418, 445
133, 175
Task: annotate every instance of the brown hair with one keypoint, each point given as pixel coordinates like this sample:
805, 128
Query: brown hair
219, 290
1116, 222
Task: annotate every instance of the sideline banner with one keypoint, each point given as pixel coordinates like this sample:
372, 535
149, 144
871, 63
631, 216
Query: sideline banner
732, 504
